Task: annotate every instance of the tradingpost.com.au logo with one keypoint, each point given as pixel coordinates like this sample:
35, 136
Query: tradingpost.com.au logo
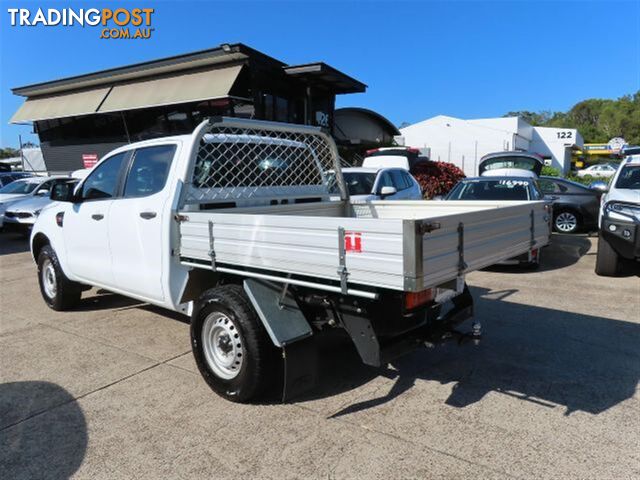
119, 23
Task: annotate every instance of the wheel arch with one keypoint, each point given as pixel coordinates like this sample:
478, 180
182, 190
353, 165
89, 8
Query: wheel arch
40, 240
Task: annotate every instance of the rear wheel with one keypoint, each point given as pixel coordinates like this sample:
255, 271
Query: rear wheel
231, 346
58, 292
607, 260
566, 221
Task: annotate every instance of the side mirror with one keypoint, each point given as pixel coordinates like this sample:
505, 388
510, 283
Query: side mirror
63, 192
600, 186
386, 191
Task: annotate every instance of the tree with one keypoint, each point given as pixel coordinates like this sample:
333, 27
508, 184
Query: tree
598, 120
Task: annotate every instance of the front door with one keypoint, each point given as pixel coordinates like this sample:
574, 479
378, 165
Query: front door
86, 223
139, 232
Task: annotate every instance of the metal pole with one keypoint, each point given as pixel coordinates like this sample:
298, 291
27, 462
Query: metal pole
21, 154
475, 160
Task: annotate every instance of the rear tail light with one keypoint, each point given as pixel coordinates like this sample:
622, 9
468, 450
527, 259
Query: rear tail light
415, 299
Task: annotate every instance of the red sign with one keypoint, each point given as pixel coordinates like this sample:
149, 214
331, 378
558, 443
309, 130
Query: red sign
353, 242
89, 159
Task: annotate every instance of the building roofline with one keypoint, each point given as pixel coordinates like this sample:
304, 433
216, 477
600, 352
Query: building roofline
220, 54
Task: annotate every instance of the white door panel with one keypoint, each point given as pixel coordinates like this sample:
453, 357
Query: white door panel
137, 247
87, 241
136, 223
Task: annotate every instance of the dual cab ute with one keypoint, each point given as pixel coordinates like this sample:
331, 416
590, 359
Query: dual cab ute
235, 226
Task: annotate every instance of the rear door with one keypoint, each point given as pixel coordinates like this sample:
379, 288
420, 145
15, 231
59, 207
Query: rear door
137, 236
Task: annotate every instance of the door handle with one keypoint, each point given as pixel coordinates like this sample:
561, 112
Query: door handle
148, 215
97, 216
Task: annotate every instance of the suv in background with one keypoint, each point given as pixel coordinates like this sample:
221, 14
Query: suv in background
510, 164
619, 219
381, 184
400, 157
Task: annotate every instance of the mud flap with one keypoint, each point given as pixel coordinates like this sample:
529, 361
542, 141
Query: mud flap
289, 330
300, 368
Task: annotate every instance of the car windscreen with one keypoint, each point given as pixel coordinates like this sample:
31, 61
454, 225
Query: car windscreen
629, 177
19, 187
491, 190
359, 183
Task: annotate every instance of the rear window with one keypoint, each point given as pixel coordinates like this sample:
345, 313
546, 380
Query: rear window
523, 163
491, 190
239, 164
629, 177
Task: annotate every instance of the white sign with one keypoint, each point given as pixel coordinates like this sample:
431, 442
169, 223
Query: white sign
617, 144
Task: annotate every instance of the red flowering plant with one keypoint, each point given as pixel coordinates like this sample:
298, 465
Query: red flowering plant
436, 178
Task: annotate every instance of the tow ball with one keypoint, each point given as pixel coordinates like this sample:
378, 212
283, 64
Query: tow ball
475, 335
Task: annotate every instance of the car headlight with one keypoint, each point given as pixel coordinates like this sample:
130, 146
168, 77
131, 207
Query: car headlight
622, 211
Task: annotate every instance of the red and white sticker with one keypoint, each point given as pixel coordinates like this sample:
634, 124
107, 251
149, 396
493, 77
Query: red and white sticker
353, 242
89, 159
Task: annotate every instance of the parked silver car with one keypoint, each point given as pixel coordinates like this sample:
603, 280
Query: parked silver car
22, 200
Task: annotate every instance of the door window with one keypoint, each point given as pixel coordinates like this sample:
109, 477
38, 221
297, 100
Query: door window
384, 181
398, 180
149, 170
102, 183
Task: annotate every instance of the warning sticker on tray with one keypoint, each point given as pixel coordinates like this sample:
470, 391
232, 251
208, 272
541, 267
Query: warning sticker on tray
353, 242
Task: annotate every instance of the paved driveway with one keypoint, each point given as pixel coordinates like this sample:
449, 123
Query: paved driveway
110, 390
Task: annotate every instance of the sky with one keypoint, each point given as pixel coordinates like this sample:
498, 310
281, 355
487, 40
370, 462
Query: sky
419, 59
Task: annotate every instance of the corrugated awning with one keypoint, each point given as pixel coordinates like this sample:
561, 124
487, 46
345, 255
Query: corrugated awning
58, 106
191, 87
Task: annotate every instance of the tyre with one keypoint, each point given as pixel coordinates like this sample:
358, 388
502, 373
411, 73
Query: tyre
566, 221
231, 346
607, 260
58, 292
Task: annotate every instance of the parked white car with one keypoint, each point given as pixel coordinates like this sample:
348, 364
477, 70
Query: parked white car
603, 170
381, 184
620, 219
22, 189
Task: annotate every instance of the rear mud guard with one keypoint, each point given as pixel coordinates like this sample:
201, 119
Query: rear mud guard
289, 330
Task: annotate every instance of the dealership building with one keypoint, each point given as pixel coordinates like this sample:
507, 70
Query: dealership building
465, 142
79, 119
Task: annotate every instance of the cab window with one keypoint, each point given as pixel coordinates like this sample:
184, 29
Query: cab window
149, 171
102, 183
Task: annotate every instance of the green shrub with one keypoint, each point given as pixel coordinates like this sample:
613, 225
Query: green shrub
587, 179
550, 171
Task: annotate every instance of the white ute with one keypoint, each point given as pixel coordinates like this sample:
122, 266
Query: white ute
234, 226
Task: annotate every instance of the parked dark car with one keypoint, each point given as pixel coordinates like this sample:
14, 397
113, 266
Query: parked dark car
575, 206
7, 177
513, 188
495, 188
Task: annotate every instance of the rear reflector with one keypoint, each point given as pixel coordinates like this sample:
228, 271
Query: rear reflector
415, 299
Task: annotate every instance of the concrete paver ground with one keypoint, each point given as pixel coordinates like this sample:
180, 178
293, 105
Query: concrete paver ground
110, 390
